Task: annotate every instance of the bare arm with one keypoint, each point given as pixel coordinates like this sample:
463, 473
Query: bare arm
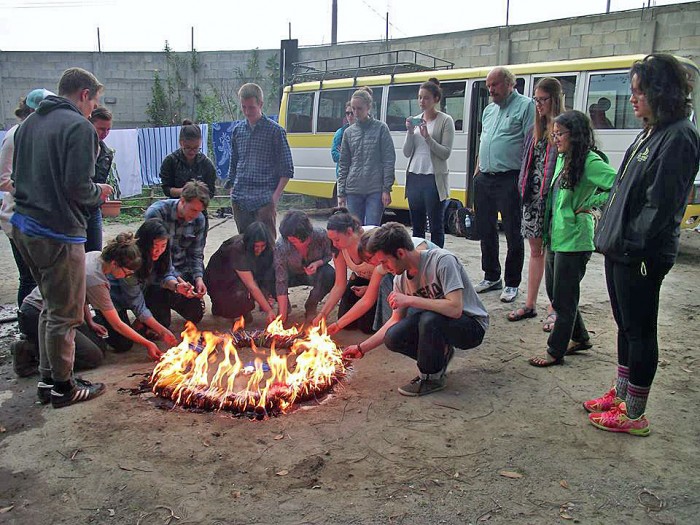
249, 282
122, 328
365, 302
336, 293
449, 306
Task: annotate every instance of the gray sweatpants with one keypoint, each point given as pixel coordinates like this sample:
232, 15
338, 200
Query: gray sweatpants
59, 271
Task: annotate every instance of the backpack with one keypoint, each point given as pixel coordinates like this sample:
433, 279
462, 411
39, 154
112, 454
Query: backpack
466, 224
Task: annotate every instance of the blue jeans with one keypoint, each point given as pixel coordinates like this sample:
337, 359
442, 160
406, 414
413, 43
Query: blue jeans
94, 231
424, 201
368, 208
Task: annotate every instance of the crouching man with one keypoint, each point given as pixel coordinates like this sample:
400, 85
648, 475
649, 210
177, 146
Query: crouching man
435, 308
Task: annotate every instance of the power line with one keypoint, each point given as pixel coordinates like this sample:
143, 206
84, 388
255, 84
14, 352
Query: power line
383, 17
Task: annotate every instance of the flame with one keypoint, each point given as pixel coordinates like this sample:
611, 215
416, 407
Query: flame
201, 371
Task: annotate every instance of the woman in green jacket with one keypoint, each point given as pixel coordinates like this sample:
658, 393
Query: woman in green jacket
582, 180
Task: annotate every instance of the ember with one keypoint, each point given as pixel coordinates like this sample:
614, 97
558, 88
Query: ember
205, 371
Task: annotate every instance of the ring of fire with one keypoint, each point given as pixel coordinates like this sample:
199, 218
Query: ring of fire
206, 371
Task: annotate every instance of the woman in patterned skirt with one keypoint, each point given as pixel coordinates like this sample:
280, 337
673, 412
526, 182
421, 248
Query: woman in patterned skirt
539, 159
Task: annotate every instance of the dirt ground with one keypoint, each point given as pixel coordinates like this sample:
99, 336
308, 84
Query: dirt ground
504, 443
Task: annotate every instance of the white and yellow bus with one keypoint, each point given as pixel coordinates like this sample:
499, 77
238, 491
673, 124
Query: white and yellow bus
311, 112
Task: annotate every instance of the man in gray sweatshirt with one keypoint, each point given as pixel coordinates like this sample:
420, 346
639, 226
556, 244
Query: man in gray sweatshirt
54, 162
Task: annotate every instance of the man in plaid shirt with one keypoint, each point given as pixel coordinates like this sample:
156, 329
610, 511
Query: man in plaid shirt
261, 163
185, 223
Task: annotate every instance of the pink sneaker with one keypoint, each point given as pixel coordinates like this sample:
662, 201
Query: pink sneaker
603, 403
616, 420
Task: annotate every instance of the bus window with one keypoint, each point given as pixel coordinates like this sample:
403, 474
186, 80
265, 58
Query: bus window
608, 102
331, 109
452, 102
300, 108
402, 103
568, 85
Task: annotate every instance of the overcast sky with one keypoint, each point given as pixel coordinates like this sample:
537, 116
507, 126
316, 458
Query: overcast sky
145, 25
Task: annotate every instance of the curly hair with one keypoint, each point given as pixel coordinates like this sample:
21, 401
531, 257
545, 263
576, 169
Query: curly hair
665, 83
150, 231
297, 224
123, 251
581, 141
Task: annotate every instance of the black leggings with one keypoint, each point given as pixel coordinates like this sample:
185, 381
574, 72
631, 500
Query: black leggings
634, 297
349, 299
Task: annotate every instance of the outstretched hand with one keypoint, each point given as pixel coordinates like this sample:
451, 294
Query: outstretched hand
353, 352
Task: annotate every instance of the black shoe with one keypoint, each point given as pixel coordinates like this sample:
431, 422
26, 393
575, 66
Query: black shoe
81, 390
24, 357
43, 391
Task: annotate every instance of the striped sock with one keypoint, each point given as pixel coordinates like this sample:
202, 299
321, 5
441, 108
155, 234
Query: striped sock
623, 374
636, 400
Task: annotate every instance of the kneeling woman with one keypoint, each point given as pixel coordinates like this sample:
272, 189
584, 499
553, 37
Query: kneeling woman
119, 259
582, 180
240, 274
127, 294
362, 296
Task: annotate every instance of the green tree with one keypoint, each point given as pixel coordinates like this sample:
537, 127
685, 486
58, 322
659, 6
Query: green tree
157, 109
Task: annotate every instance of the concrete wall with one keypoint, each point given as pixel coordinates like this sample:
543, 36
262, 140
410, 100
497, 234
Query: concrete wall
129, 76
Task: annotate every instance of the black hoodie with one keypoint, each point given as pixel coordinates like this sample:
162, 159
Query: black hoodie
642, 217
54, 162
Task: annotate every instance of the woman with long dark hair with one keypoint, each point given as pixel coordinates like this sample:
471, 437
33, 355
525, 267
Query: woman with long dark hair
153, 244
240, 274
582, 180
639, 232
428, 146
536, 172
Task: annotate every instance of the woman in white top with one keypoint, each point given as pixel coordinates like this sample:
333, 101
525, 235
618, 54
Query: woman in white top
428, 145
362, 296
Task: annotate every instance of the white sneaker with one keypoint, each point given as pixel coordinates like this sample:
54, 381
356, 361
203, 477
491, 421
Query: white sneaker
509, 294
487, 286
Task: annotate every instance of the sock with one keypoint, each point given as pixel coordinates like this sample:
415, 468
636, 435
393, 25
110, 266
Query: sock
62, 387
623, 374
636, 400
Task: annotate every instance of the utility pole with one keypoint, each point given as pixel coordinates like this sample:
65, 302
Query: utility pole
387, 27
607, 10
334, 23
507, 12
99, 44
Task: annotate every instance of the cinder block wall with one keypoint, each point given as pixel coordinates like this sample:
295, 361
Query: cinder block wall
129, 76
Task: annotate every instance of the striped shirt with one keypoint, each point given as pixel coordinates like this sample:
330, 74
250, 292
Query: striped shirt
260, 157
187, 239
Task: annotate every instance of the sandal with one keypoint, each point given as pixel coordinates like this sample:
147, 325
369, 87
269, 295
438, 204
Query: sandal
545, 361
522, 313
575, 347
548, 323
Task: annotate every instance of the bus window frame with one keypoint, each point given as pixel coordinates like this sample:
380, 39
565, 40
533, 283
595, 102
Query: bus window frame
314, 109
583, 103
578, 98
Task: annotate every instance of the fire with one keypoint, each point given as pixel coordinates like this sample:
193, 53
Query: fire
206, 370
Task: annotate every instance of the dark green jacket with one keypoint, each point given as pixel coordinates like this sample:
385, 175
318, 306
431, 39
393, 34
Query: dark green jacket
565, 229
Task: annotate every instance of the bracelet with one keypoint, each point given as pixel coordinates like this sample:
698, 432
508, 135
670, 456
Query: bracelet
359, 348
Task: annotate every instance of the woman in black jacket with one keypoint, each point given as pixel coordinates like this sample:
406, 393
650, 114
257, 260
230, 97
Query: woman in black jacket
639, 233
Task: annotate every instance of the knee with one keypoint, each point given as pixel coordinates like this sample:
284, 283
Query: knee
392, 338
120, 345
428, 320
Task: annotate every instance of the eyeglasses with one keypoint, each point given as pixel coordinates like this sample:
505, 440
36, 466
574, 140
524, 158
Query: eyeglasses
348, 113
559, 134
192, 150
540, 100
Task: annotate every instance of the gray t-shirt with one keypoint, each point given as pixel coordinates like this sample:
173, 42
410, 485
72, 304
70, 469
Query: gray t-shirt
96, 283
440, 273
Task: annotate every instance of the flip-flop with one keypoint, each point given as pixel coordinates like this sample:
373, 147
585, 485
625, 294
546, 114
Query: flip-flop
527, 313
548, 323
575, 347
543, 362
